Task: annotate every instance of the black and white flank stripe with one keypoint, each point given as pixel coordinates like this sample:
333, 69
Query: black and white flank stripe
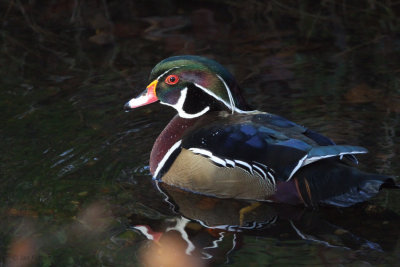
253, 168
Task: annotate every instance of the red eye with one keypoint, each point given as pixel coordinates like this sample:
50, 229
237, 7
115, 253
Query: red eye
172, 79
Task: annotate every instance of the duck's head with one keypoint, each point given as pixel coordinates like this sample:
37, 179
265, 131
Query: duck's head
192, 85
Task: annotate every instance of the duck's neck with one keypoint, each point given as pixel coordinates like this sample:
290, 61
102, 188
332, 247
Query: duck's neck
172, 133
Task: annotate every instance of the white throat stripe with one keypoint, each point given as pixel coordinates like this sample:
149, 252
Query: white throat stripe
179, 106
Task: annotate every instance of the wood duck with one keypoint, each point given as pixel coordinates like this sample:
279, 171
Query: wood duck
216, 145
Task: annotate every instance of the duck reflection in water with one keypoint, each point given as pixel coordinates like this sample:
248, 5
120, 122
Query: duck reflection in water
211, 229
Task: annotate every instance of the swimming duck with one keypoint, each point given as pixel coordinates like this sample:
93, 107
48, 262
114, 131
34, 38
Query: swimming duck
218, 146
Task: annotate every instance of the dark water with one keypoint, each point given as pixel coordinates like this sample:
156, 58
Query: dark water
75, 184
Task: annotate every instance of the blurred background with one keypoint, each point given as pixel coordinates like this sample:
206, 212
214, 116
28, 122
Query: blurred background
75, 187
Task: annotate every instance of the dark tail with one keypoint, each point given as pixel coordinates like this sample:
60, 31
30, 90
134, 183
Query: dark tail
334, 183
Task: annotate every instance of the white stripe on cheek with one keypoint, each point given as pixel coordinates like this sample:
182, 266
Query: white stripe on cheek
179, 106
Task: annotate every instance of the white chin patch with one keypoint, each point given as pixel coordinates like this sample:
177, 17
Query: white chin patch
179, 107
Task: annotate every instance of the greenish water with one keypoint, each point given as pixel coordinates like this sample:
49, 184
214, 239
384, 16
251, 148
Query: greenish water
75, 185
